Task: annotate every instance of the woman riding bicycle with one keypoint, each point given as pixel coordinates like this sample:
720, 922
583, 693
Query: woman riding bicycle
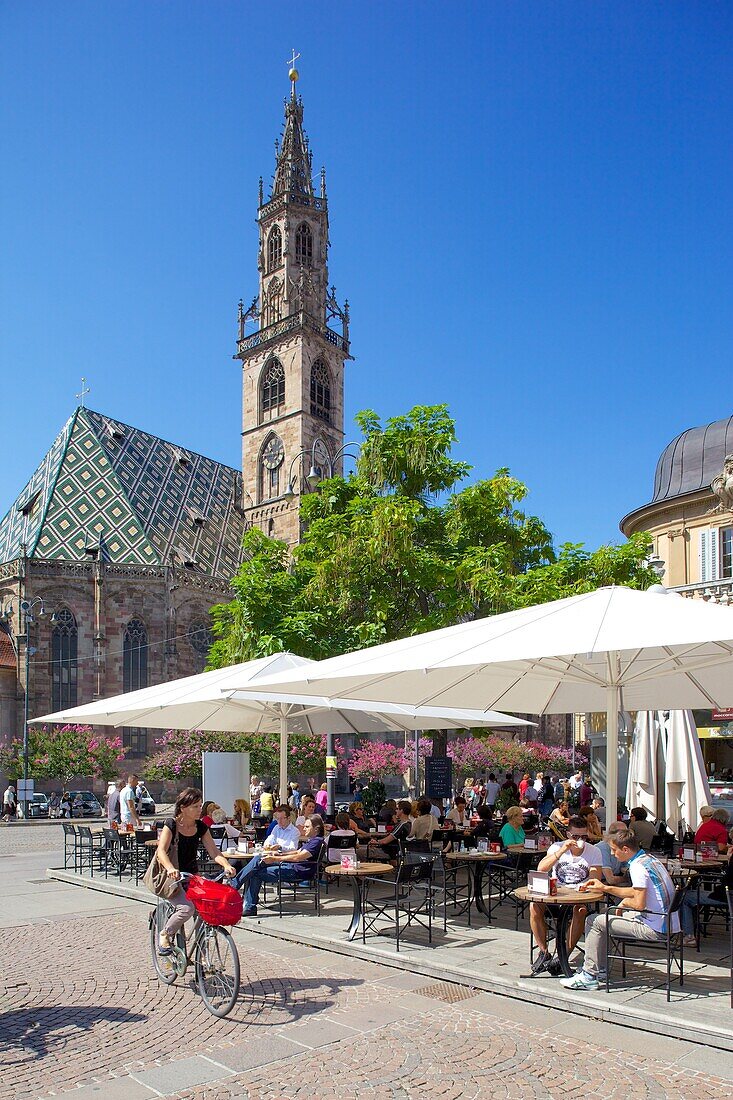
186, 828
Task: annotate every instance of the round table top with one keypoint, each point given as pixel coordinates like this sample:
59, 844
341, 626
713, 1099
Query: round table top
524, 848
704, 864
362, 869
473, 855
234, 853
564, 896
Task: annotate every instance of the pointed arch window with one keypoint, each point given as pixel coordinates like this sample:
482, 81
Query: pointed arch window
134, 676
321, 391
64, 670
272, 389
273, 302
304, 245
274, 248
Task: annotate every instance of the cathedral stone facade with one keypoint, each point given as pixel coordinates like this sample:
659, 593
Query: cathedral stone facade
293, 364
127, 540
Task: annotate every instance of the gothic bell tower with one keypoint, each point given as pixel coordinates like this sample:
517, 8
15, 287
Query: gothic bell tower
293, 361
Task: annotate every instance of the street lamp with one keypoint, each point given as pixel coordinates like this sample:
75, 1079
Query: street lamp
28, 615
658, 565
315, 475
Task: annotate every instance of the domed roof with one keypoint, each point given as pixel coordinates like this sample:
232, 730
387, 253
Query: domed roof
691, 461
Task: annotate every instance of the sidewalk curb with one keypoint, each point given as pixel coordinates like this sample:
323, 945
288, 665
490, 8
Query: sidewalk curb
621, 1015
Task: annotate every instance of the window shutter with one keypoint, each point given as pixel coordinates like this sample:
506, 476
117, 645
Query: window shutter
714, 554
704, 555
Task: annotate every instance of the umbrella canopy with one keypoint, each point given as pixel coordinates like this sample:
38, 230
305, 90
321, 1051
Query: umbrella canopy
200, 702
642, 787
597, 651
685, 785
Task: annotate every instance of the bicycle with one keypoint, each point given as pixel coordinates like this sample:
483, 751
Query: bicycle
210, 947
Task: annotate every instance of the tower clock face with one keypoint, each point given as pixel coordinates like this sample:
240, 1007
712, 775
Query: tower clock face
273, 454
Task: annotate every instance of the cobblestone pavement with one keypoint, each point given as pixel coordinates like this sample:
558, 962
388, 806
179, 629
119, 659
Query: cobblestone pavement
81, 1007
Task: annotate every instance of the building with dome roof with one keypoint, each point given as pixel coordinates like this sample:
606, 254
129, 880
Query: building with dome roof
690, 515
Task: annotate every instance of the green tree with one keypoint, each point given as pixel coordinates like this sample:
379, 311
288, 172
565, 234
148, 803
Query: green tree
399, 547
63, 753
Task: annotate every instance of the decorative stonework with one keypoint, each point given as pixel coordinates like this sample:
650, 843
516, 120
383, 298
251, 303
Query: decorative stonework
722, 486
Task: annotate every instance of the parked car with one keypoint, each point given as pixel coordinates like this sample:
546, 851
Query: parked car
146, 803
39, 806
85, 804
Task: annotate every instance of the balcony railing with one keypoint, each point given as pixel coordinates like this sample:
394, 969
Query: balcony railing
297, 198
710, 591
288, 324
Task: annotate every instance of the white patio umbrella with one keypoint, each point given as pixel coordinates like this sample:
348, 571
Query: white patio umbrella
686, 786
602, 650
200, 702
642, 786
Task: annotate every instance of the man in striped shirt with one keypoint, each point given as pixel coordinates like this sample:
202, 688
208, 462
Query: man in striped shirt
641, 914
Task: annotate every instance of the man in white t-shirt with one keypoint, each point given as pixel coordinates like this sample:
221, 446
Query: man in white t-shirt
128, 803
640, 916
492, 790
570, 862
284, 835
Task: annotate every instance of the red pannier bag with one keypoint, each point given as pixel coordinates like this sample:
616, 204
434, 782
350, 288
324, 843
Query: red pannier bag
216, 902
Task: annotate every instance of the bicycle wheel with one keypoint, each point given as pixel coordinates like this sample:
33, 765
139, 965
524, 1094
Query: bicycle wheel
217, 970
165, 965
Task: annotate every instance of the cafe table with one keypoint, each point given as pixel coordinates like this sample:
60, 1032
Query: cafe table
560, 907
476, 863
356, 876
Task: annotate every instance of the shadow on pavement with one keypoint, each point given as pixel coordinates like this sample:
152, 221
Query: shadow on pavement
290, 996
30, 1033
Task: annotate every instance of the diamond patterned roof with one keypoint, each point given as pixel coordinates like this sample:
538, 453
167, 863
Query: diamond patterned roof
149, 501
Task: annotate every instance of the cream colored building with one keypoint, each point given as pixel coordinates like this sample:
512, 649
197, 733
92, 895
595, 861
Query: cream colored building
690, 518
690, 515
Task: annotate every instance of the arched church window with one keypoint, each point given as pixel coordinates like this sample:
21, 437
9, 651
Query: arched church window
274, 248
135, 676
304, 245
64, 639
320, 391
272, 457
273, 302
273, 388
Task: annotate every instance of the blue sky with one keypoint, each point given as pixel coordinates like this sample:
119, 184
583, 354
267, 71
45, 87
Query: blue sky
530, 215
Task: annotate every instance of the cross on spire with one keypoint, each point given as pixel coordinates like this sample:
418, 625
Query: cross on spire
292, 71
84, 391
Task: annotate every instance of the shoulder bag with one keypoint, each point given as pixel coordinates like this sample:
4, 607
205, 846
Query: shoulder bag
156, 877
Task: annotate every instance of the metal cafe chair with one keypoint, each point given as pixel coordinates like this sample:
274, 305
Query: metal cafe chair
70, 843
671, 944
410, 897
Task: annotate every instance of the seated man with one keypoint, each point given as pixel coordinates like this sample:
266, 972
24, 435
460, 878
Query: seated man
339, 848
570, 862
641, 914
613, 871
388, 846
457, 813
283, 835
288, 866
644, 830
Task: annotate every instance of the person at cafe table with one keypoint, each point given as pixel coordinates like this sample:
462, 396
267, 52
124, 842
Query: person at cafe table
641, 914
571, 862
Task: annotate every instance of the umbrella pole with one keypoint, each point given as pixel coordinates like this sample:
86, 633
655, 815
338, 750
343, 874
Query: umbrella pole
612, 701
283, 759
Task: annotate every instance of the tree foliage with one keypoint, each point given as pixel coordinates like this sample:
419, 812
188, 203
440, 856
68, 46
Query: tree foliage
178, 753
63, 753
399, 548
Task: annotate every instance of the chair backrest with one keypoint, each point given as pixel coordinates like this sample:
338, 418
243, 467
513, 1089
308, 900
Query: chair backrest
341, 843
143, 835
729, 899
84, 831
421, 846
70, 830
416, 867
676, 902
111, 836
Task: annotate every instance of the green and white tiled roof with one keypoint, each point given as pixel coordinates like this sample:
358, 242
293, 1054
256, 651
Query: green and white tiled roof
150, 502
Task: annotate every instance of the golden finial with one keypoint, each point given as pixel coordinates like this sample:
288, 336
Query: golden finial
293, 72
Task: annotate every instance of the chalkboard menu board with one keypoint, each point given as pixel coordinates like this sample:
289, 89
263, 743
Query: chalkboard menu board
439, 777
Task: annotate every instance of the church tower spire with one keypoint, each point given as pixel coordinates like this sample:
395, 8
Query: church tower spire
293, 362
